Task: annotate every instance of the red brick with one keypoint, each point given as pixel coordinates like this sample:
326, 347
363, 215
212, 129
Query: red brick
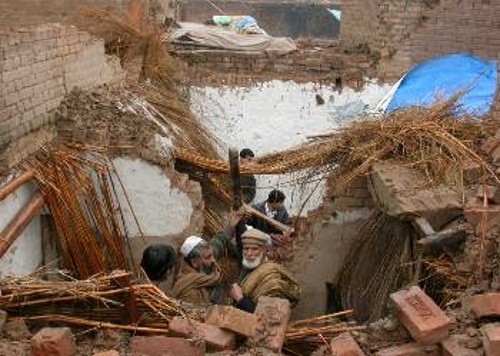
409, 350
213, 335
491, 339
233, 319
485, 305
345, 345
53, 342
272, 315
166, 346
425, 321
107, 353
451, 347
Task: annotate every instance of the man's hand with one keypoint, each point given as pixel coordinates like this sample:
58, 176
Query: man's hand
234, 217
235, 292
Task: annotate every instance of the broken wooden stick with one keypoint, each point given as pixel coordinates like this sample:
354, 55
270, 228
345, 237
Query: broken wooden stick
20, 222
280, 226
10, 187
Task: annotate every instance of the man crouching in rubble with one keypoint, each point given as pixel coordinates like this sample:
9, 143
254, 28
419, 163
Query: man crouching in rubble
199, 280
260, 277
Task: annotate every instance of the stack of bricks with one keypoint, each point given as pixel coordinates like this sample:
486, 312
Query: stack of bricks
356, 196
39, 65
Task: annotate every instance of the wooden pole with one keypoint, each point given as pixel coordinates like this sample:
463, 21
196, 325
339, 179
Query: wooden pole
280, 226
20, 222
15, 183
234, 171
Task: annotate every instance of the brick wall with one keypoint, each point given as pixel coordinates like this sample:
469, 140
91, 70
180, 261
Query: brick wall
34, 12
330, 64
39, 65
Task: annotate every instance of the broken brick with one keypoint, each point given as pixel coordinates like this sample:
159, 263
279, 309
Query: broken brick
345, 345
166, 346
412, 349
451, 347
491, 339
213, 335
485, 305
272, 319
233, 319
425, 321
54, 342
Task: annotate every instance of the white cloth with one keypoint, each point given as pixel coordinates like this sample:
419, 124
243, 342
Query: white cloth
189, 244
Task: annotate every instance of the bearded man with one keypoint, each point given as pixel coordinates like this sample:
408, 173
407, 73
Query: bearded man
259, 277
199, 279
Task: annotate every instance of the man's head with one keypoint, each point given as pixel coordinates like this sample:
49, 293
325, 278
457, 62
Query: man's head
275, 199
157, 261
255, 244
246, 155
199, 254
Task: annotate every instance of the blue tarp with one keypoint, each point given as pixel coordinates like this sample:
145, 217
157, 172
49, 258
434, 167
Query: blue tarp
440, 78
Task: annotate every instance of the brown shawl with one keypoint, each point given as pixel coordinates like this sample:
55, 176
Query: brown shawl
272, 280
193, 287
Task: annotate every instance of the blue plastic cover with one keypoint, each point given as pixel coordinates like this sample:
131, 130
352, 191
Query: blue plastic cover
438, 79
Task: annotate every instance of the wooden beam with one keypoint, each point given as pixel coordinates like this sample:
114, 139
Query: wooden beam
280, 226
10, 187
17, 225
234, 171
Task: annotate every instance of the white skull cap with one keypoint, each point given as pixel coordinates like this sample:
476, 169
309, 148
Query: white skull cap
189, 244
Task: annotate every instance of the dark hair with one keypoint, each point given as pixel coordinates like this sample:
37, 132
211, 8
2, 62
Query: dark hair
157, 260
276, 196
246, 152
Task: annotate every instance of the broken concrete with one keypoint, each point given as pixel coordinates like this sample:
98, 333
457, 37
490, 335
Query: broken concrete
399, 191
53, 341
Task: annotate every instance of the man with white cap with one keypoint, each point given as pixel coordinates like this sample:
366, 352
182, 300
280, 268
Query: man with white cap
260, 277
200, 280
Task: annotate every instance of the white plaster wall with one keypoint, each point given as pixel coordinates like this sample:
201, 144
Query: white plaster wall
25, 254
277, 115
160, 208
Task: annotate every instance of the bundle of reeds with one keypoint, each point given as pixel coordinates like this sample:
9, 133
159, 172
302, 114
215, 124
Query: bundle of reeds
308, 334
379, 264
106, 301
79, 192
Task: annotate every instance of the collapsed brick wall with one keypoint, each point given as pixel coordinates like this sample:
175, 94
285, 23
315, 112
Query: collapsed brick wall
28, 12
230, 67
39, 66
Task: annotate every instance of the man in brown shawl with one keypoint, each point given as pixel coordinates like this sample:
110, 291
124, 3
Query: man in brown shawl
199, 279
260, 277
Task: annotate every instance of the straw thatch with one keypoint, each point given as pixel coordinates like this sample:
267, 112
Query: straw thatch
431, 140
109, 301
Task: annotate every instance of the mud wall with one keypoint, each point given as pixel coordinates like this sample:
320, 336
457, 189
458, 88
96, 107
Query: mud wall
278, 18
39, 66
16, 13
